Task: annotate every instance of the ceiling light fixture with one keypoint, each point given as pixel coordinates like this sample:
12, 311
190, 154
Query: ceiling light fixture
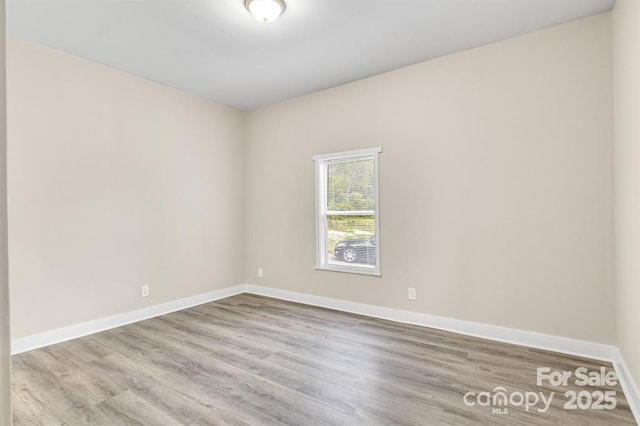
265, 10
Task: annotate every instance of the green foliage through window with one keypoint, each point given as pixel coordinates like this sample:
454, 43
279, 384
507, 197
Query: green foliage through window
350, 186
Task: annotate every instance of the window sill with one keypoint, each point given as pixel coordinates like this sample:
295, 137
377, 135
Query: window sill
347, 270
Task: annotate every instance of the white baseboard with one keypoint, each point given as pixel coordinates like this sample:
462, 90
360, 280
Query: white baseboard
565, 345
491, 332
47, 338
631, 391
469, 328
501, 334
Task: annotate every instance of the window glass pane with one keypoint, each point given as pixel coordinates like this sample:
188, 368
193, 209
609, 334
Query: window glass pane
347, 211
350, 185
351, 240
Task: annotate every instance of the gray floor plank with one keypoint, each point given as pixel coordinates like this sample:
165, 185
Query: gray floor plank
251, 360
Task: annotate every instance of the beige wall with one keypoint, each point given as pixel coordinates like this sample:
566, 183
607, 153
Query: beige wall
115, 182
496, 187
626, 45
5, 332
496, 184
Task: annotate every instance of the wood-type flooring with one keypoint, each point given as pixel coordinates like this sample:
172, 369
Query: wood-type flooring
252, 360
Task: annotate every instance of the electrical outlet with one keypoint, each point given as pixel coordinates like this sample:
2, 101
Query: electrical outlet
260, 272
412, 293
144, 291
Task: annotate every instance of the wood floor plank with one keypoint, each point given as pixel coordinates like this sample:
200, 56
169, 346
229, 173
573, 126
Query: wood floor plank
252, 360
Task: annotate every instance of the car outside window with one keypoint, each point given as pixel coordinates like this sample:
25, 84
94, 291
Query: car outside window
347, 230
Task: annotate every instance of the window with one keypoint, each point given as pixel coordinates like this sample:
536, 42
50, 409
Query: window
347, 212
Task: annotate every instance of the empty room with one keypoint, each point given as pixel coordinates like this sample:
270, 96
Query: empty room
320, 212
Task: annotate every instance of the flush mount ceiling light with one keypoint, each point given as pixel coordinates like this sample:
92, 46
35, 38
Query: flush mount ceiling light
265, 10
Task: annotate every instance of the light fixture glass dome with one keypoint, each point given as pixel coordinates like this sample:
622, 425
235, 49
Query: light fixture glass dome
265, 10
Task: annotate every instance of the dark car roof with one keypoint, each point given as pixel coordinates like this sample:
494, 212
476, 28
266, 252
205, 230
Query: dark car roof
361, 240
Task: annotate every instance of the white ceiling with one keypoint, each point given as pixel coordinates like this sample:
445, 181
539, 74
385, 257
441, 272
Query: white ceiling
214, 48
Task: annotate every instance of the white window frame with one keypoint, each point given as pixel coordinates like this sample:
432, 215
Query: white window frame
321, 162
